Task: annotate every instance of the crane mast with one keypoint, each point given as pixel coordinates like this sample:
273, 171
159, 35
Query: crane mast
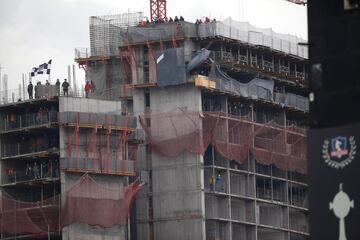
158, 10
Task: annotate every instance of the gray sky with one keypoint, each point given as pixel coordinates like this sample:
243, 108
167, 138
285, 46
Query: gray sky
34, 31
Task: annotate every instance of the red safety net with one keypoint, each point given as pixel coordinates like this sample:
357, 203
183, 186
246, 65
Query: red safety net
87, 202
90, 203
19, 217
234, 137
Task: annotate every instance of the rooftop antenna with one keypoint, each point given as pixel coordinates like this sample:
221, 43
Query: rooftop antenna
0, 77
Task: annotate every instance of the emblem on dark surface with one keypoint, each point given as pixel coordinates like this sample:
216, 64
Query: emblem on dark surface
339, 152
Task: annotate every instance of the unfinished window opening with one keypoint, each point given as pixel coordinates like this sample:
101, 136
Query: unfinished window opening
279, 190
263, 169
266, 115
242, 184
147, 98
146, 65
272, 215
237, 166
298, 195
266, 234
208, 156
243, 210
242, 231
217, 230
263, 188
238, 108
216, 207
213, 103
298, 220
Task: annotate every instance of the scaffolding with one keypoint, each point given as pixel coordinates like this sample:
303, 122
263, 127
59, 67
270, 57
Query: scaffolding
105, 32
86, 201
234, 137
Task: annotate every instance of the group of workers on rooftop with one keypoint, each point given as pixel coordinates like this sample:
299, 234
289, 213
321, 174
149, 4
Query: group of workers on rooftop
40, 93
146, 22
30, 89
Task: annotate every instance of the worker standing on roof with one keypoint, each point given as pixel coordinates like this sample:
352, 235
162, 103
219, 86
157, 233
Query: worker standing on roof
57, 84
65, 86
30, 90
87, 89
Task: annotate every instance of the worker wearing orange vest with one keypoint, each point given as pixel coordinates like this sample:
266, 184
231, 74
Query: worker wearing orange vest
87, 89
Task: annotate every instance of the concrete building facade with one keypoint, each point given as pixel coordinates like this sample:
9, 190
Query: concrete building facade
224, 106
50, 146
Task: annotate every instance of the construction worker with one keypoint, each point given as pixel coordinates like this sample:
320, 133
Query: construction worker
36, 171
211, 183
218, 184
30, 90
38, 88
28, 171
57, 84
87, 89
65, 85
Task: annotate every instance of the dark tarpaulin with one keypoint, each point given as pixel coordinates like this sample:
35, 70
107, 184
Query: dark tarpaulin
255, 88
200, 57
170, 67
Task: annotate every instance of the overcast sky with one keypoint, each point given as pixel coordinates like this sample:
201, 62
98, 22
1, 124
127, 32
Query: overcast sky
34, 31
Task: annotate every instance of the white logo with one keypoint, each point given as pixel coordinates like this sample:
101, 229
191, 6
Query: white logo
341, 206
340, 153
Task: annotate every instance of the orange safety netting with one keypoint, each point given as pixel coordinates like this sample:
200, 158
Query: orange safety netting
19, 217
86, 202
95, 205
234, 137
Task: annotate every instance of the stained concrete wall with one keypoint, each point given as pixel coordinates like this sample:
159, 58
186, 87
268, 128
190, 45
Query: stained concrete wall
70, 104
176, 183
81, 231
77, 230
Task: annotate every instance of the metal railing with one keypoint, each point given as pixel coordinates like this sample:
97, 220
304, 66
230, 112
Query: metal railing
90, 165
15, 96
29, 147
224, 56
42, 172
14, 122
111, 120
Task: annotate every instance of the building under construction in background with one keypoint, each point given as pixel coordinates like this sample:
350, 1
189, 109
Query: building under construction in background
66, 166
224, 107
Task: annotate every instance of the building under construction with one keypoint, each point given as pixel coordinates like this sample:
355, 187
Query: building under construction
65, 168
223, 106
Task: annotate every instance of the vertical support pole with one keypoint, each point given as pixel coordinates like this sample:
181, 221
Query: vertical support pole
74, 80
247, 56
86, 150
117, 142
108, 149
77, 141
123, 147
94, 147
69, 147
100, 154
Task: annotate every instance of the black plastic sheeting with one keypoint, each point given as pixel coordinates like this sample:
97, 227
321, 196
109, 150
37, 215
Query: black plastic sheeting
170, 67
256, 88
199, 59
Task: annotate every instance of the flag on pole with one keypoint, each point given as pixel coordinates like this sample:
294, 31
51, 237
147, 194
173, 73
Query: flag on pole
42, 69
